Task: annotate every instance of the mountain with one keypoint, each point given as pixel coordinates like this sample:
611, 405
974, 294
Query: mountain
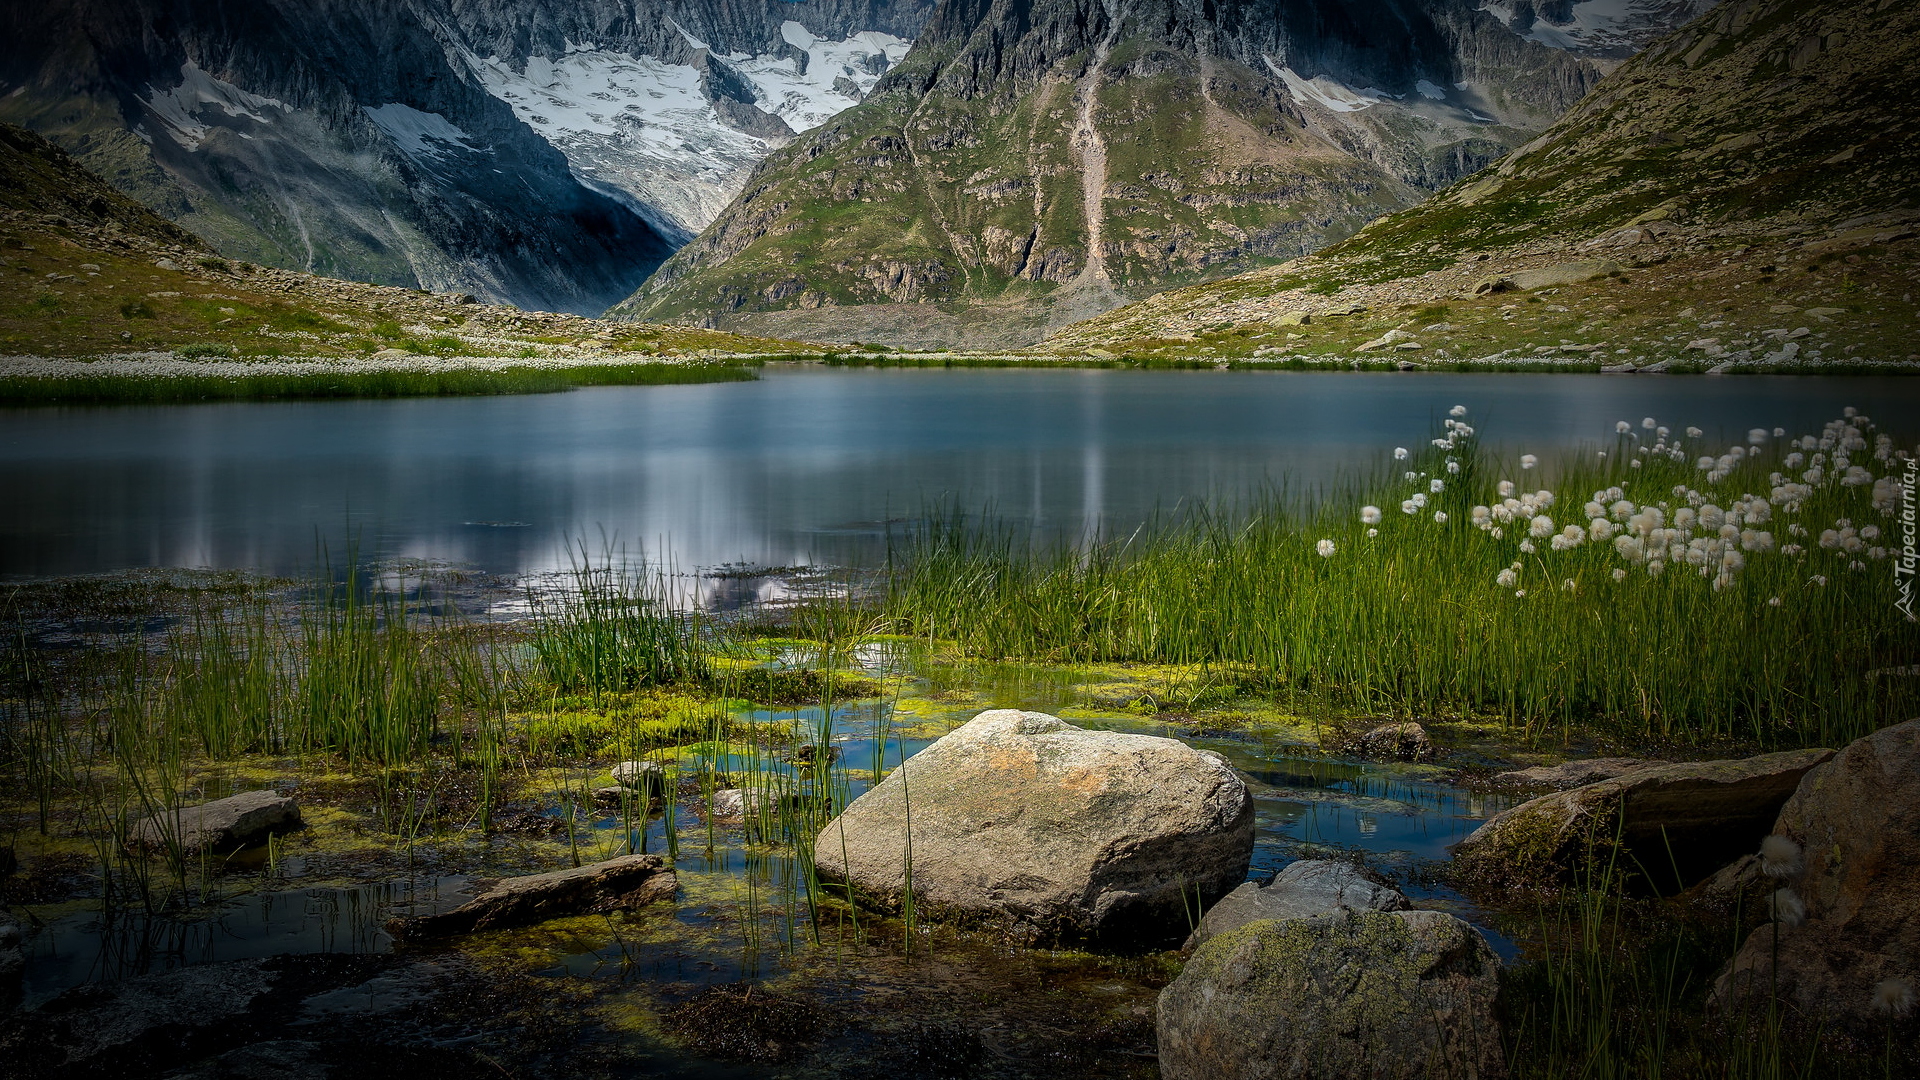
1035, 161
548, 155
92, 273
1743, 194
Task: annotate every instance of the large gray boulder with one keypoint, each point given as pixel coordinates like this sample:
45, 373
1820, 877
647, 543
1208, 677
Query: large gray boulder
1022, 821
1676, 824
1854, 824
621, 884
1381, 995
1304, 889
236, 821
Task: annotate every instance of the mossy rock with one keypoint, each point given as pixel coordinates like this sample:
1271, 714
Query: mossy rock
1384, 995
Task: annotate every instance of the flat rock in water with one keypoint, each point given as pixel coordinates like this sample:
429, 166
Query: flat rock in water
1572, 774
1856, 822
236, 821
620, 884
1382, 995
1023, 821
1683, 820
1305, 889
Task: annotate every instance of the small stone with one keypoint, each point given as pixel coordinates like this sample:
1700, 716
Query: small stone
1404, 740
1293, 318
236, 821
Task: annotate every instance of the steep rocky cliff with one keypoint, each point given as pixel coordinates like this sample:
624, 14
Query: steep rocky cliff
549, 155
1743, 194
1043, 160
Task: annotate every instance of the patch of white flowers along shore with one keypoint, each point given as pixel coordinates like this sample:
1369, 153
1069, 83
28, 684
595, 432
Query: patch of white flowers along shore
1692, 528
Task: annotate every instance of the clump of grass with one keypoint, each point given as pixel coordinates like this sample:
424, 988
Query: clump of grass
1434, 606
615, 631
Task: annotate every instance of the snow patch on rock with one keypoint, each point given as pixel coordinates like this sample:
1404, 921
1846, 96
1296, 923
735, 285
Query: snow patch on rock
425, 137
180, 110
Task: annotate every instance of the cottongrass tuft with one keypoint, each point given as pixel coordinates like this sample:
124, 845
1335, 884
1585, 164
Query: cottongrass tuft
1528, 461
1325, 548
1369, 515
1785, 907
1779, 857
1893, 998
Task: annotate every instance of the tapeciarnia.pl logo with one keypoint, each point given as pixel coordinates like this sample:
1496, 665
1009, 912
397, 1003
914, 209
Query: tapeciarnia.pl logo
1909, 560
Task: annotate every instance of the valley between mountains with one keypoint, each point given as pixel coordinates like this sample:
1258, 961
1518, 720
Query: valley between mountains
1602, 185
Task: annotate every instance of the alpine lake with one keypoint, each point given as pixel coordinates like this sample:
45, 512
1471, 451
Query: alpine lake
765, 515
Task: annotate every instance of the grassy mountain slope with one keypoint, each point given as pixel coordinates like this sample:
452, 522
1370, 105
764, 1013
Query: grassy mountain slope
89, 272
1048, 159
1754, 165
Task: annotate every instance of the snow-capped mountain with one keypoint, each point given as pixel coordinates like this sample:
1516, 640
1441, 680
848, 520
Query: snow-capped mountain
544, 154
676, 137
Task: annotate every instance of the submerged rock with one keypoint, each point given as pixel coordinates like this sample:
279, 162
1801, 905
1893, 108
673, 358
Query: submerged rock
236, 821
621, 884
1854, 863
1308, 888
1572, 774
1383, 995
1674, 823
1021, 820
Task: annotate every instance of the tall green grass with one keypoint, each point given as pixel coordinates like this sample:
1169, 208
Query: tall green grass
616, 630
333, 379
1415, 620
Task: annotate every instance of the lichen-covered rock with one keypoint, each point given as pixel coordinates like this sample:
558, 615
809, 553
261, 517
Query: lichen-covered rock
1382, 995
621, 884
1021, 820
1304, 889
1678, 822
1856, 822
236, 821
1400, 741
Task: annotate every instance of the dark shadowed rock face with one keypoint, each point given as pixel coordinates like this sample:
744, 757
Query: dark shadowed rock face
1019, 820
1305, 889
1387, 996
1681, 821
1855, 865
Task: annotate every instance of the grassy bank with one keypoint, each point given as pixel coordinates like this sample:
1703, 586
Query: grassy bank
134, 381
1663, 588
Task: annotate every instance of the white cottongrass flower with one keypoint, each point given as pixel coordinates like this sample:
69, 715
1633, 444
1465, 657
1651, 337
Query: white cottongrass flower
1540, 527
1568, 585
1785, 907
1419, 499
1694, 433
1519, 593
1527, 548
1756, 436
1622, 427
1619, 573
1400, 453
1436, 486
1457, 410
1373, 532
1779, 431
1408, 506
1504, 488
1773, 602
1647, 422
1369, 515
1325, 548
1817, 579
1410, 476
1893, 998
1654, 567
1506, 579
1453, 468
1780, 857
1528, 461
1439, 517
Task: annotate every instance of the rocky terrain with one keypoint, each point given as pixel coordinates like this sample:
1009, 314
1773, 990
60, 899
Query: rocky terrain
91, 272
1027, 166
549, 156
1740, 196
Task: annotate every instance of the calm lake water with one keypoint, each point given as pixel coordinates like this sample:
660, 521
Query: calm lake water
802, 466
